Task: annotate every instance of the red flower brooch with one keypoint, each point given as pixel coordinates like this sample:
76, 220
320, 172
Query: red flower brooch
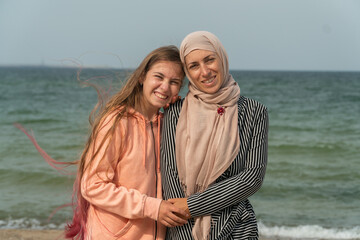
221, 111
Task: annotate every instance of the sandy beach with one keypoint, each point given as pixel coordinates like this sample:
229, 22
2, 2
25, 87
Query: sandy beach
25, 234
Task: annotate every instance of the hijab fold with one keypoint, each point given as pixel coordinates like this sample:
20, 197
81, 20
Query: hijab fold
206, 142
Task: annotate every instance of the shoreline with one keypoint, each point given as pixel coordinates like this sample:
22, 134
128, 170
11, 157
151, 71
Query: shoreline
30, 234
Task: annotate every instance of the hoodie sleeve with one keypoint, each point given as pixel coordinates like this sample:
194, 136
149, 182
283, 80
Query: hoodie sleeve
97, 185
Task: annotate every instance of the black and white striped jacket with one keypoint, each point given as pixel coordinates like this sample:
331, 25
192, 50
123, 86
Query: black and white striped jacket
227, 199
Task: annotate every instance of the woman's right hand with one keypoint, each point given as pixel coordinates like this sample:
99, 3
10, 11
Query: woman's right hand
171, 216
173, 100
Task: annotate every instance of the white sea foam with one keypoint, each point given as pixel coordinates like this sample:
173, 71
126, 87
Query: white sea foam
309, 232
26, 223
312, 232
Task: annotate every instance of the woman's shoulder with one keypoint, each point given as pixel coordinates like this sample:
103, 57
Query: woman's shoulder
174, 109
117, 115
248, 106
250, 103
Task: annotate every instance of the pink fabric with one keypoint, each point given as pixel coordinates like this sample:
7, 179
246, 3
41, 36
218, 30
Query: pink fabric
124, 201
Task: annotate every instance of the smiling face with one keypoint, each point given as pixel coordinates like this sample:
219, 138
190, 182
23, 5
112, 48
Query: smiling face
205, 70
161, 83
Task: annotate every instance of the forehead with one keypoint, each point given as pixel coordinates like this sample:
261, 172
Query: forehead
164, 65
166, 68
198, 55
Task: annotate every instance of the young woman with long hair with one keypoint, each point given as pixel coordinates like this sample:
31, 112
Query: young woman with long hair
117, 191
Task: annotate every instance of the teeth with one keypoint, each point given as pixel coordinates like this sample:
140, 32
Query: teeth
161, 96
209, 81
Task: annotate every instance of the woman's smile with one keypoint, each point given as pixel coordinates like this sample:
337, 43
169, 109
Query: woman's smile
209, 81
160, 95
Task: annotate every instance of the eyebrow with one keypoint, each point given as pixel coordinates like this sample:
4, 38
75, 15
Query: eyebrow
160, 73
208, 56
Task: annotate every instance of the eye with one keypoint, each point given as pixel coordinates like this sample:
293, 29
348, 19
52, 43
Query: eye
158, 76
209, 60
175, 82
193, 66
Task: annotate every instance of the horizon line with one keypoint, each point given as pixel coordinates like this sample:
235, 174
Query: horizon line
128, 68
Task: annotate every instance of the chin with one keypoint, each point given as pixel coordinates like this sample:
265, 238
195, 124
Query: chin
160, 105
210, 90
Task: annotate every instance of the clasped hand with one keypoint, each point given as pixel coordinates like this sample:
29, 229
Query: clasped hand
173, 100
174, 212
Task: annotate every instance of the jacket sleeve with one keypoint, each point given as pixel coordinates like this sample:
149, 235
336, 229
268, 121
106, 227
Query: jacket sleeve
241, 186
97, 185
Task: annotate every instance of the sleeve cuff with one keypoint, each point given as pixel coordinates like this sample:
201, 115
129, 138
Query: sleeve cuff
151, 207
195, 205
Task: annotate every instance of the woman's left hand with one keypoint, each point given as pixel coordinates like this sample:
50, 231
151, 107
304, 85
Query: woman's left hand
180, 203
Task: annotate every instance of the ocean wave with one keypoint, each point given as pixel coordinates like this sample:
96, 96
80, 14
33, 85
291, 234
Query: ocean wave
28, 223
312, 232
306, 146
36, 177
41, 120
309, 232
23, 111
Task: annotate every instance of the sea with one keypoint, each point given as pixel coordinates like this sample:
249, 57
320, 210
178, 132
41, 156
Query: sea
312, 184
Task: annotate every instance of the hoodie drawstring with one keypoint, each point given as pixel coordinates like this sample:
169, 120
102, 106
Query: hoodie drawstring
157, 142
144, 157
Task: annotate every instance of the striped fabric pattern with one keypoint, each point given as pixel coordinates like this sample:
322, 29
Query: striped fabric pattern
227, 199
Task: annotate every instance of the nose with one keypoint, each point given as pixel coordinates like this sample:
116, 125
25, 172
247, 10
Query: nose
205, 71
165, 86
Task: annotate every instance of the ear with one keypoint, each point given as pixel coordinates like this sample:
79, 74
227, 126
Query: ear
141, 81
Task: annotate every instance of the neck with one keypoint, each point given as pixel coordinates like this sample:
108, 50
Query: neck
148, 112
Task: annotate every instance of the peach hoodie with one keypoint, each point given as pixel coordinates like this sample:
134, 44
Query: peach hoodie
127, 205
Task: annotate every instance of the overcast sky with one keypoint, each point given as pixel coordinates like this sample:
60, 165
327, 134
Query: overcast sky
257, 34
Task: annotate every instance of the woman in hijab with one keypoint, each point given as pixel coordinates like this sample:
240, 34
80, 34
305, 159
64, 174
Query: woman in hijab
214, 147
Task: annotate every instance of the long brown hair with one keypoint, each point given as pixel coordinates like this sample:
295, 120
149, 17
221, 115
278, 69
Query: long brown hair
128, 97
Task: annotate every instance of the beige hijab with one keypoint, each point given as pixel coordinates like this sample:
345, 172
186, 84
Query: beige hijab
206, 142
